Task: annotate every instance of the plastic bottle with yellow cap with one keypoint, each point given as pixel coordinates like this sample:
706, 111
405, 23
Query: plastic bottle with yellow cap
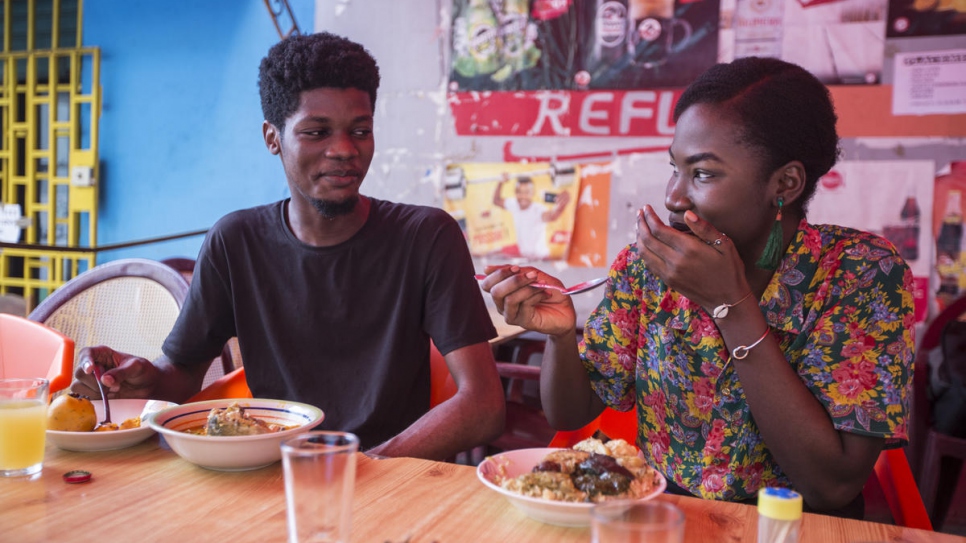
779, 515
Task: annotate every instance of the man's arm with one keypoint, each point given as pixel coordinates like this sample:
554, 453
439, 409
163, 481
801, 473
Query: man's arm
560, 204
475, 415
128, 376
498, 200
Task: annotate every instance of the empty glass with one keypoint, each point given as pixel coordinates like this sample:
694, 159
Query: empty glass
636, 522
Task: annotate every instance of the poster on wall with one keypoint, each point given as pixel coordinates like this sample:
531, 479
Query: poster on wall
917, 18
930, 83
863, 195
947, 229
840, 41
581, 45
524, 210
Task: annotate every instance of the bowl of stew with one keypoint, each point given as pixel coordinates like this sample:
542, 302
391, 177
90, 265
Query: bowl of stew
233, 434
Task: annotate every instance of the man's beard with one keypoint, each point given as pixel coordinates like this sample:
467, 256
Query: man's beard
330, 209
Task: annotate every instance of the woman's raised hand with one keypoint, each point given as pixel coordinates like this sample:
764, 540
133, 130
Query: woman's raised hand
703, 264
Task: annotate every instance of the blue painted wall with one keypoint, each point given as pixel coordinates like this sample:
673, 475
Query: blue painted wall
180, 134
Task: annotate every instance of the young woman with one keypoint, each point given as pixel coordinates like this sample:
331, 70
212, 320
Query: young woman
758, 349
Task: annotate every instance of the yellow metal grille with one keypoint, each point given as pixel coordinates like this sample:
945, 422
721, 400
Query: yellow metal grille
49, 110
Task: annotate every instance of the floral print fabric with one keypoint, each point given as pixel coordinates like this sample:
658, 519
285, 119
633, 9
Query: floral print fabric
840, 306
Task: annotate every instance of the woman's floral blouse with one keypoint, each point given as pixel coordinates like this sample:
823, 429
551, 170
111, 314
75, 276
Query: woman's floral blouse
840, 306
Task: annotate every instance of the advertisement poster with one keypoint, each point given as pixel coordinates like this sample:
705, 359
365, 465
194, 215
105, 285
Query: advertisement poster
917, 18
947, 229
581, 45
842, 42
890, 198
517, 210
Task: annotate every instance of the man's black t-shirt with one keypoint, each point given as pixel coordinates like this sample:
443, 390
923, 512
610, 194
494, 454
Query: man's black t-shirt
345, 328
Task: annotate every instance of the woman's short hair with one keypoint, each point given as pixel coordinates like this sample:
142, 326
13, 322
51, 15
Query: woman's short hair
310, 61
787, 113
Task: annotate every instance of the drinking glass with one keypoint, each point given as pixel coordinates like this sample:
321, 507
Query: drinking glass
636, 522
320, 472
23, 426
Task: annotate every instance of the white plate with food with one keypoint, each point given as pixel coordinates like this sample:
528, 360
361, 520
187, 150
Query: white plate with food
568, 483
71, 421
233, 434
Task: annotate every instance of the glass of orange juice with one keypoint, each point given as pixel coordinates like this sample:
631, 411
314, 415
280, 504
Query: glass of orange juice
23, 426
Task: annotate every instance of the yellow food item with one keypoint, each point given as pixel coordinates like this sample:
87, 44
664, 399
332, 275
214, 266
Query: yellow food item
106, 427
128, 424
71, 413
133, 422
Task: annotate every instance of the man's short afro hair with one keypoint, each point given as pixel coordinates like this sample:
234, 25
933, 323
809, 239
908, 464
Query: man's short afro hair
305, 62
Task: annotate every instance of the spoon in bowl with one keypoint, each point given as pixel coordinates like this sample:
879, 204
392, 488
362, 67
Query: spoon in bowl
566, 291
107, 405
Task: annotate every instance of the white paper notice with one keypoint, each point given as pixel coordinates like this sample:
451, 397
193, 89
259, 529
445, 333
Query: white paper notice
10, 223
929, 82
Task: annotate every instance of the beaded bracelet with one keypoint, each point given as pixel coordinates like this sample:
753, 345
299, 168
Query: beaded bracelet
741, 351
721, 311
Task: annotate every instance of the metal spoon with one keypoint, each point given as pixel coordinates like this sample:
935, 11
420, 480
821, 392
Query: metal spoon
566, 291
107, 406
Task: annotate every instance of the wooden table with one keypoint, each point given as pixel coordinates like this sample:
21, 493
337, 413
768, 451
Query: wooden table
147, 493
504, 332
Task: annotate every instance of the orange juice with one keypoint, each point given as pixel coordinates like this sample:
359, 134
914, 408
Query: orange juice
23, 425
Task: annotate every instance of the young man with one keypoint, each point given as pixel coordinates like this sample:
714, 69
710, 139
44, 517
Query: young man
334, 296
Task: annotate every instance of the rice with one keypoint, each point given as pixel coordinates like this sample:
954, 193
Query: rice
553, 478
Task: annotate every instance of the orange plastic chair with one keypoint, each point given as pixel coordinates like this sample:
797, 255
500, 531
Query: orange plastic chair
231, 385
234, 384
31, 349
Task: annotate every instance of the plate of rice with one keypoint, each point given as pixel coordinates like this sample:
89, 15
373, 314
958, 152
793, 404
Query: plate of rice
560, 486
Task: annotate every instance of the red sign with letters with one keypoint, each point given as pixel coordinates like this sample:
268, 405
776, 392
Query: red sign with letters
632, 113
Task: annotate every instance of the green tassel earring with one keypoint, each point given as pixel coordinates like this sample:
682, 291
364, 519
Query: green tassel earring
772, 255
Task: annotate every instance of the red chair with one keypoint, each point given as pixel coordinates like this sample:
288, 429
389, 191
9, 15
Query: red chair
30, 349
891, 477
525, 426
612, 423
937, 457
442, 385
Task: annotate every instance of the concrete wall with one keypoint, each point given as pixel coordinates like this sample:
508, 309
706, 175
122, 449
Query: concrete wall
181, 141
180, 133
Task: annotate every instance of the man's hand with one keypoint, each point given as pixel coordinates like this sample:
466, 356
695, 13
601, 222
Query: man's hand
124, 375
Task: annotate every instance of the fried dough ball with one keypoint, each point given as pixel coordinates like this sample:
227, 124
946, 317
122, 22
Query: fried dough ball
71, 413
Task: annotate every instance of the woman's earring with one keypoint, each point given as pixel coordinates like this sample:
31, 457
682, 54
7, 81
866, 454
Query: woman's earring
772, 255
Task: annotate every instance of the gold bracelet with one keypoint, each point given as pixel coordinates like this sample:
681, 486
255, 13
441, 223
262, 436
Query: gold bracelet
741, 351
721, 311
